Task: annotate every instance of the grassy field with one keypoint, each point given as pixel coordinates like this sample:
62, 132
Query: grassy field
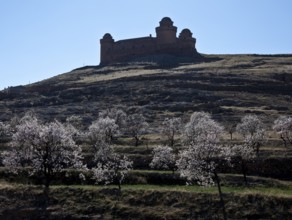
143, 202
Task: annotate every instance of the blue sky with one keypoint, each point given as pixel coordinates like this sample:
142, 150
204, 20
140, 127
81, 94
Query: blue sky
41, 39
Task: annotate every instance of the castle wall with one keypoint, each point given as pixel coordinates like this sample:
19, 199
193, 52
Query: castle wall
126, 49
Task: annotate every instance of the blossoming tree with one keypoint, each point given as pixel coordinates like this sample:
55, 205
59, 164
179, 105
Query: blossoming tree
253, 131
200, 161
171, 127
163, 158
136, 126
46, 148
111, 167
103, 129
283, 126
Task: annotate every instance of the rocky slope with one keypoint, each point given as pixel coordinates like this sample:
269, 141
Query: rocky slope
225, 85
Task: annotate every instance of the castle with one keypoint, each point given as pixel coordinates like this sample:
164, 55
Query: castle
165, 43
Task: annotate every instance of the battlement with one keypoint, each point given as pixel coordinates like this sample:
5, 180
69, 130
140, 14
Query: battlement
165, 42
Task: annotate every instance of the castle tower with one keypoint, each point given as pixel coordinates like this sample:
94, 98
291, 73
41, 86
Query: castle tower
106, 48
166, 32
187, 42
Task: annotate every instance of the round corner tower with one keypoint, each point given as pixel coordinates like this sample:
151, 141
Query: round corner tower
106, 48
187, 41
166, 32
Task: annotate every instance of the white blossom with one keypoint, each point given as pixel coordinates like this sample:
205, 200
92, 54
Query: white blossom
46, 148
253, 131
75, 121
104, 129
243, 154
201, 128
170, 128
103, 152
244, 151
116, 114
5, 130
113, 171
200, 161
283, 126
82, 177
163, 158
136, 126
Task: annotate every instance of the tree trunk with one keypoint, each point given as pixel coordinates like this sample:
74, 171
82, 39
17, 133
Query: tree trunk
172, 142
47, 176
220, 195
285, 142
119, 185
47, 181
136, 141
244, 171
258, 150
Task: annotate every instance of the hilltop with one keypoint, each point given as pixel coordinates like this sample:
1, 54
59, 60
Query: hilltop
225, 85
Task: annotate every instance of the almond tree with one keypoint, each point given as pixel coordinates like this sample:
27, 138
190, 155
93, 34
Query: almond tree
116, 114
103, 129
73, 124
231, 128
136, 126
103, 152
243, 154
200, 161
170, 128
5, 130
253, 131
110, 166
112, 170
75, 121
283, 126
201, 128
163, 158
46, 148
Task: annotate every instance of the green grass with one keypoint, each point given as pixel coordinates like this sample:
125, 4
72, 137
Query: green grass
267, 191
152, 171
284, 191
143, 202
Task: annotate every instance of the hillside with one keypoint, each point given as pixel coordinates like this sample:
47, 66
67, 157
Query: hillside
225, 85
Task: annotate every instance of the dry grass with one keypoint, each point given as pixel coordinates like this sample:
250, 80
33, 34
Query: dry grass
117, 75
258, 109
5, 185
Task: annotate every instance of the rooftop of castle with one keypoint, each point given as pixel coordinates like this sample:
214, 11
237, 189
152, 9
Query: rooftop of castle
166, 21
